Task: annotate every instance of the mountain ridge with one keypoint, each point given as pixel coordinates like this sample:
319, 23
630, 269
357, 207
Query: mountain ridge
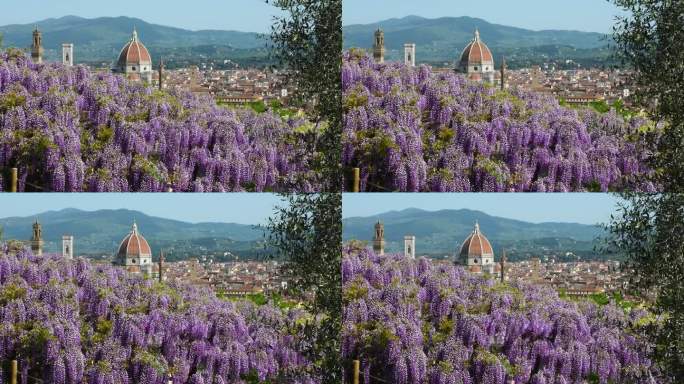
443, 39
102, 38
440, 233
99, 232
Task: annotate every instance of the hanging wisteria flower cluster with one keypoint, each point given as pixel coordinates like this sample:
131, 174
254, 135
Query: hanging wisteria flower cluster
72, 322
416, 321
414, 129
71, 129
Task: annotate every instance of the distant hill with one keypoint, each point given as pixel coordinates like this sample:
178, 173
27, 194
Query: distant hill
441, 233
443, 39
100, 232
102, 38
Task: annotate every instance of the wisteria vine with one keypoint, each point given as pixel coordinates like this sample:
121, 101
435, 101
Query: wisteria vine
414, 129
414, 321
72, 322
73, 129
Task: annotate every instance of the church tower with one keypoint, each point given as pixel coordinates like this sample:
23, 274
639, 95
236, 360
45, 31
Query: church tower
503, 266
161, 73
379, 47
379, 239
37, 239
410, 246
68, 247
161, 266
68, 54
37, 47
503, 73
410, 54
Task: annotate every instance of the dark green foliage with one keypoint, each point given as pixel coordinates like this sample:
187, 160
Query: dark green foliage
651, 41
648, 229
307, 233
308, 41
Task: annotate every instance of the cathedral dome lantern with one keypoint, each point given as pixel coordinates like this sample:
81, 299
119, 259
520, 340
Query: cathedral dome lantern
476, 61
134, 252
134, 60
476, 252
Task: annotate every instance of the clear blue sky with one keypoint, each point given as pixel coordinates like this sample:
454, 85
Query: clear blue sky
241, 208
581, 15
583, 208
239, 15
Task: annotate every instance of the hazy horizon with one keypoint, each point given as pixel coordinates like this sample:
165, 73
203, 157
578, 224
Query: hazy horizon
580, 208
527, 14
238, 208
238, 15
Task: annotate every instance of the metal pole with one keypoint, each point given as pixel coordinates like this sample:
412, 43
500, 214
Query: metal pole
357, 365
13, 371
13, 186
357, 180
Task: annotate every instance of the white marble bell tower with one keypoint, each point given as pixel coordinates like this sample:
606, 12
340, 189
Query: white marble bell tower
68, 54
68, 247
410, 54
410, 246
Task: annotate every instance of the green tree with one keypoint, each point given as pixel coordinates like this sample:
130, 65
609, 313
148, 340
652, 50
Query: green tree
307, 234
648, 231
650, 40
308, 42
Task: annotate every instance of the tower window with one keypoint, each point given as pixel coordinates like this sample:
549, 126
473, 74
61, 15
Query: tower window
133, 68
475, 261
476, 68
133, 261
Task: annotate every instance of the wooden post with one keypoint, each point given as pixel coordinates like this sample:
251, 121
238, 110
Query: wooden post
13, 370
357, 180
13, 185
356, 368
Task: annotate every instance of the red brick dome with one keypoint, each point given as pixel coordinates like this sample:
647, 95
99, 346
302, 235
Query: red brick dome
134, 53
476, 245
476, 52
134, 245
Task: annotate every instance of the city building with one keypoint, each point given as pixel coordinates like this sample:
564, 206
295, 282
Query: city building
134, 61
379, 239
68, 246
37, 239
134, 253
410, 54
37, 47
68, 54
476, 253
476, 61
379, 47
